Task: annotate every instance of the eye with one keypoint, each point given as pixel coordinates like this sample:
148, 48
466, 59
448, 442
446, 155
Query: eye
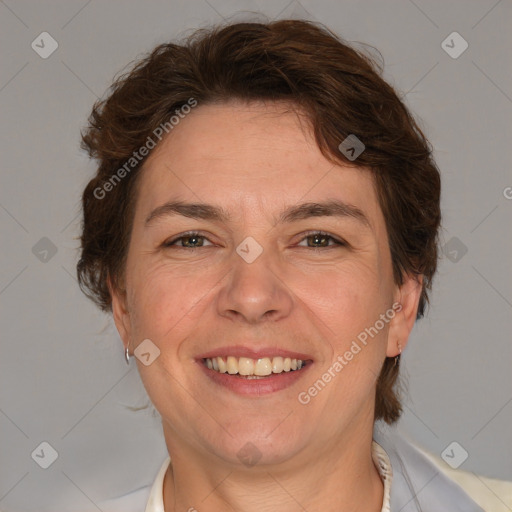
194, 240
322, 240
190, 240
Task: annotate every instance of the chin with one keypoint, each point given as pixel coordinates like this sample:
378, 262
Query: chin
261, 443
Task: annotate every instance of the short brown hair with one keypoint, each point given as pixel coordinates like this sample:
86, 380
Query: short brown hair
340, 90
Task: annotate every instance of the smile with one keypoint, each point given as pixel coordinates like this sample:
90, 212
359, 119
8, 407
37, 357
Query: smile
254, 372
253, 368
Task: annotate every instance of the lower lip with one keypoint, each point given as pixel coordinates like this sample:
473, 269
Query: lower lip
264, 386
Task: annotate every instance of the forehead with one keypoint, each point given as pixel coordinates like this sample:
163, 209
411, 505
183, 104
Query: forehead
251, 159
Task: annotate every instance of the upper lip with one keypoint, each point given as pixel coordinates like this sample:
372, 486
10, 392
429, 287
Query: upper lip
253, 353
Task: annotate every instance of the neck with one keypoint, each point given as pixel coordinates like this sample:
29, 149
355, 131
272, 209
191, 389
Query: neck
341, 476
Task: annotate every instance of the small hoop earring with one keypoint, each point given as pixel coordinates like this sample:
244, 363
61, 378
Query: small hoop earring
397, 358
127, 355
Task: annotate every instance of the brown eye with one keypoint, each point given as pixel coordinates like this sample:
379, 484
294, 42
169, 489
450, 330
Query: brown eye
321, 240
187, 241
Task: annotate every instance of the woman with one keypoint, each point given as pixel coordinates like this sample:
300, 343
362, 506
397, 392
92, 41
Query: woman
263, 226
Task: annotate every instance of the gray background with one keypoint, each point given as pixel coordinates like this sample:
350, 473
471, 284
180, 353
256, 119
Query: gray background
63, 378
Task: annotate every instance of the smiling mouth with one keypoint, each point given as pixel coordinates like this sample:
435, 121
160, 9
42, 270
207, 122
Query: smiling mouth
254, 368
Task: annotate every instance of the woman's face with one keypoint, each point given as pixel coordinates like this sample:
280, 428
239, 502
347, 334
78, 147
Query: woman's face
258, 286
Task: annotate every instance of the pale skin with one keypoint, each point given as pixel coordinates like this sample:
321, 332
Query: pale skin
303, 293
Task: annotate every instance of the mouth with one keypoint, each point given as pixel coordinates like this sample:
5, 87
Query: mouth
250, 372
254, 368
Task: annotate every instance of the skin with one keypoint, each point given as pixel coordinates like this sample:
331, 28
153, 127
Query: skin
254, 160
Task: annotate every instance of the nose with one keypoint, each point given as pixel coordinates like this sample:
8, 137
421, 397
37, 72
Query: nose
255, 292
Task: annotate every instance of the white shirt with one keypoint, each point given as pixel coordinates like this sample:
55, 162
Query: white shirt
412, 483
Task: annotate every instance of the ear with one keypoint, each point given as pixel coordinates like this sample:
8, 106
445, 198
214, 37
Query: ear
407, 298
120, 312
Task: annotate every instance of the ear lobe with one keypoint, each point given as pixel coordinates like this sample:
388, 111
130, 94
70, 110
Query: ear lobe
408, 296
120, 312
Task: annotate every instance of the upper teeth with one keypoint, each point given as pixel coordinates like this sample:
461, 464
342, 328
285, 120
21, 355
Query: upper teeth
247, 366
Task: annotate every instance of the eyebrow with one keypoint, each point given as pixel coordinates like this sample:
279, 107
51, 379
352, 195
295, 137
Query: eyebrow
332, 208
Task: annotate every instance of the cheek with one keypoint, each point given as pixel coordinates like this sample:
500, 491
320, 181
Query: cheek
153, 299
347, 297
165, 300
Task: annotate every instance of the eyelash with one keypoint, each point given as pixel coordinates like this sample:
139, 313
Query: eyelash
192, 234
